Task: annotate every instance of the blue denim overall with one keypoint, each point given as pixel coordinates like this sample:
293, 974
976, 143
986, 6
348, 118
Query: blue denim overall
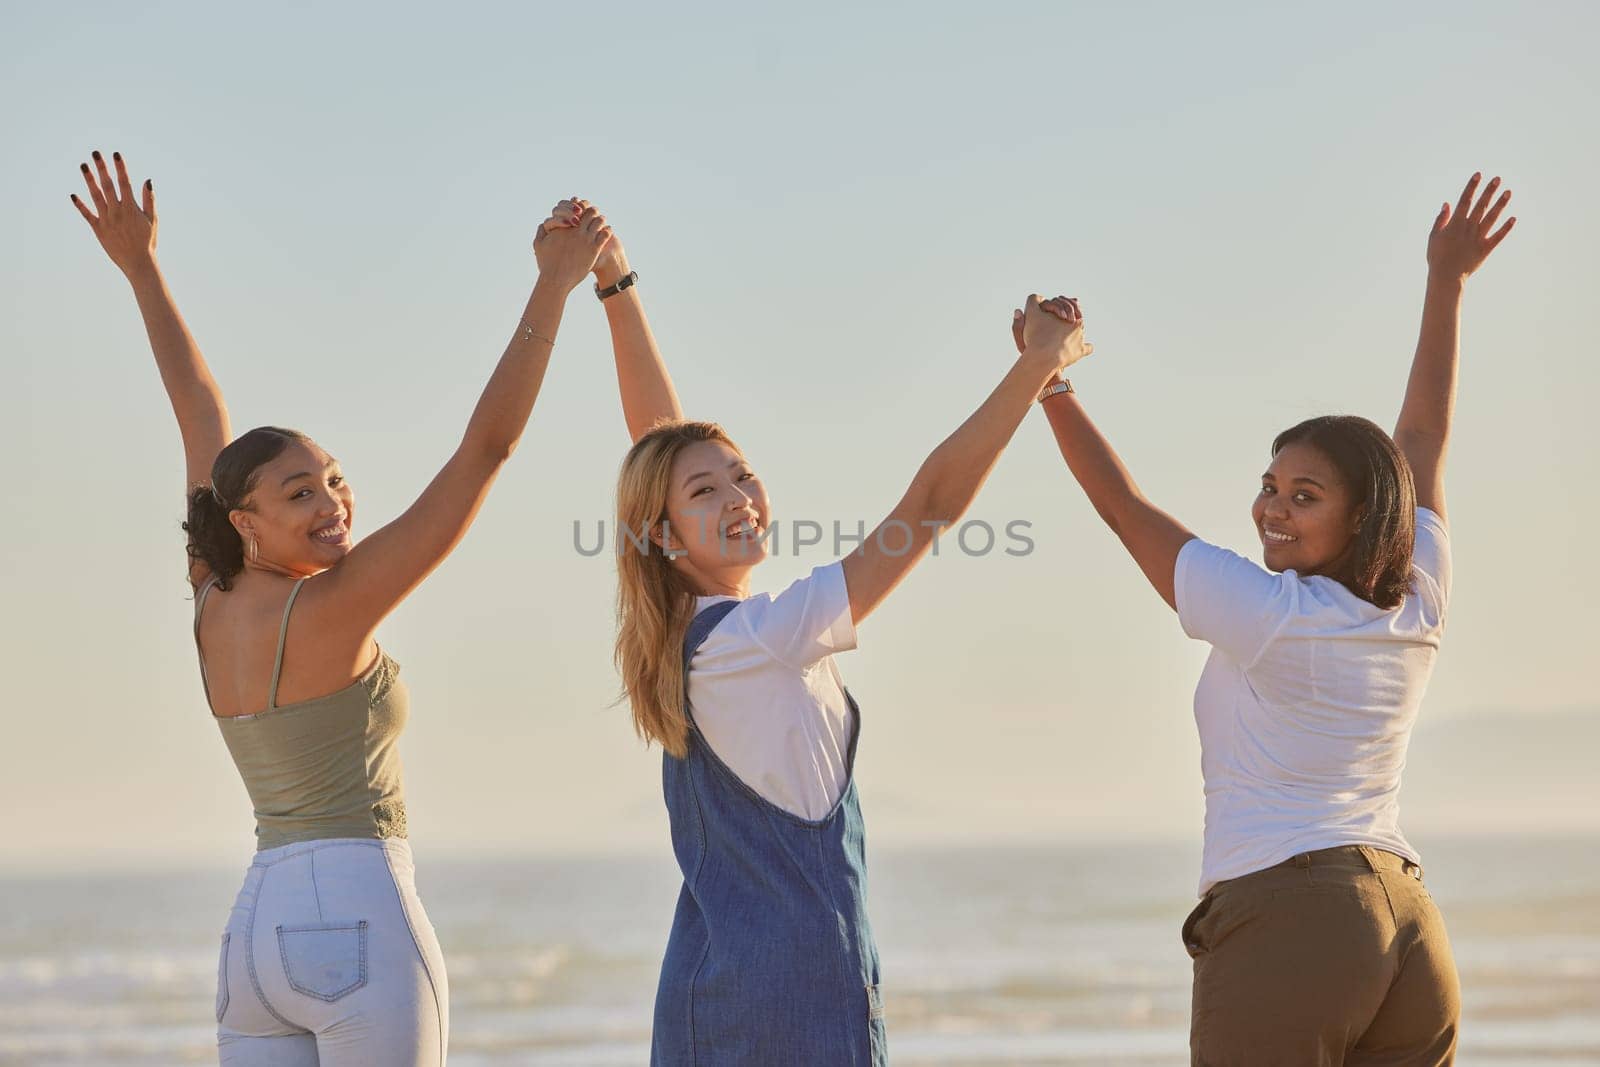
771, 961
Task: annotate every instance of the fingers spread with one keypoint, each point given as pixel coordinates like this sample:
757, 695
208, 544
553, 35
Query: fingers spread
1488, 195
85, 212
1494, 213
124, 186
94, 189
1500, 234
150, 200
1465, 203
106, 183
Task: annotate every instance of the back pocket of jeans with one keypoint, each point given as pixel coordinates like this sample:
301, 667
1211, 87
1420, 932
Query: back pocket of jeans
326, 961
222, 979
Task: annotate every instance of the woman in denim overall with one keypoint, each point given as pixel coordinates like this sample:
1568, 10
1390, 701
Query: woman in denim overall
771, 959
771, 922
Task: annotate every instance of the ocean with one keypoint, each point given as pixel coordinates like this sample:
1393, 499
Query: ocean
1062, 954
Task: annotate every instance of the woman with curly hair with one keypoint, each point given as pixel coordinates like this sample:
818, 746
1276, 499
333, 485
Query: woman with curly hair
328, 957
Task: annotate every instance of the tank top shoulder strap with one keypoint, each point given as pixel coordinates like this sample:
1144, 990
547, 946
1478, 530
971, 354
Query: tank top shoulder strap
199, 606
283, 631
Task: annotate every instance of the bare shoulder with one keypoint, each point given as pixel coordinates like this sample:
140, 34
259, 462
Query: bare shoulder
324, 605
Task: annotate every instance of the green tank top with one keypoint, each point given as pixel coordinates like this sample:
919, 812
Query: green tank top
325, 767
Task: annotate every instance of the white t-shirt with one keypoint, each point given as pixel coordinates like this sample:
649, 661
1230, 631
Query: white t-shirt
1306, 704
768, 698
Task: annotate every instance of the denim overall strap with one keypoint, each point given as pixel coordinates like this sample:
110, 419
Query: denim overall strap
771, 959
700, 628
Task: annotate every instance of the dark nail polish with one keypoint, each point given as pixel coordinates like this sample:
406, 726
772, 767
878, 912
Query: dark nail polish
97, 156
117, 156
84, 167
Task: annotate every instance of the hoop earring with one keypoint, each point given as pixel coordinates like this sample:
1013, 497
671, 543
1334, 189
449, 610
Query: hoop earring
255, 550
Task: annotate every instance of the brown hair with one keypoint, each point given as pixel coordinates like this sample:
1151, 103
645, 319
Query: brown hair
654, 603
1377, 564
212, 537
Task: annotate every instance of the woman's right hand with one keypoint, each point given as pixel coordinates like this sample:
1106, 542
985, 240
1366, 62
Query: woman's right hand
1051, 330
566, 253
125, 228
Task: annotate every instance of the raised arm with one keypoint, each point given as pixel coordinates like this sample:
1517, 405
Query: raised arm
125, 225
949, 479
642, 378
1152, 537
383, 568
1458, 244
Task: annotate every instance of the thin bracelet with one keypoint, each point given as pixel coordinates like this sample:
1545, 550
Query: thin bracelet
530, 334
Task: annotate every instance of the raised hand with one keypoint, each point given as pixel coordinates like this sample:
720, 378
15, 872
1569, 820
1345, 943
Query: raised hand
565, 213
613, 261
568, 251
1461, 240
124, 225
1053, 326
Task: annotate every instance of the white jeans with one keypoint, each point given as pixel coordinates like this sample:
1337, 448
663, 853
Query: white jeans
329, 961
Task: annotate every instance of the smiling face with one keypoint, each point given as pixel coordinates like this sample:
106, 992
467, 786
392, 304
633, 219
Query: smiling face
299, 513
717, 511
1304, 514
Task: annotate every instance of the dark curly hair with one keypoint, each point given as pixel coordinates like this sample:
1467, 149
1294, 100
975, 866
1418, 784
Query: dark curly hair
1377, 565
212, 538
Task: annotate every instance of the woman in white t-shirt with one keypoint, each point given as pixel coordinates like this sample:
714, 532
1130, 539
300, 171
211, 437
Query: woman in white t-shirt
771, 958
1314, 940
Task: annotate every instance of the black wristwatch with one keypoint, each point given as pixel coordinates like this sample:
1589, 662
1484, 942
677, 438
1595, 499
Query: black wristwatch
627, 281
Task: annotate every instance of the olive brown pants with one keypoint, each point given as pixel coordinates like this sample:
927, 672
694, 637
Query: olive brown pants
1334, 957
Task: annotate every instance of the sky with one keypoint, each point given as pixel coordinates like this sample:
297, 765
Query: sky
833, 210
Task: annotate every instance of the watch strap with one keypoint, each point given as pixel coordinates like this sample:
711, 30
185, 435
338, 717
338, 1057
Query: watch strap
627, 281
1061, 385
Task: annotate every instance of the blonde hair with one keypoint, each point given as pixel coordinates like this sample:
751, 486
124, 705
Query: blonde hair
655, 604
